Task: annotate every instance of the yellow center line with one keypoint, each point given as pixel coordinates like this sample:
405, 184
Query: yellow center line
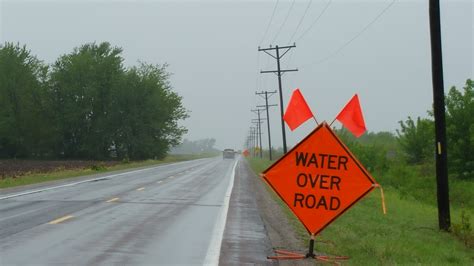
140, 189
112, 200
62, 219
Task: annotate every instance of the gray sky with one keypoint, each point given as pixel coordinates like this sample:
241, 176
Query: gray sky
211, 47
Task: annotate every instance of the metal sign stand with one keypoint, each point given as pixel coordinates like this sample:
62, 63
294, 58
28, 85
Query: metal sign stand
291, 255
310, 253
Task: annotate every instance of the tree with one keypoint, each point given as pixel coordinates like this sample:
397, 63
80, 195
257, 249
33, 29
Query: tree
416, 139
460, 130
83, 86
146, 114
23, 127
373, 150
196, 147
87, 105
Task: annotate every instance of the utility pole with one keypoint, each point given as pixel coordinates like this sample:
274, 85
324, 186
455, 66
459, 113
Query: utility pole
255, 138
444, 218
267, 94
279, 71
257, 111
258, 138
255, 141
257, 133
249, 140
252, 140
259, 129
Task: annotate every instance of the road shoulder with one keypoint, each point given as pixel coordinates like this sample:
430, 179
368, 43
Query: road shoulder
251, 197
245, 238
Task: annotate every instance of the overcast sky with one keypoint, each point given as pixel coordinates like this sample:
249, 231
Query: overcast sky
211, 49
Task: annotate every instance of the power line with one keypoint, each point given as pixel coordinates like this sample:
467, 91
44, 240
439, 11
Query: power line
316, 20
290, 79
337, 51
265, 79
269, 22
284, 21
308, 29
312, 25
301, 21
258, 79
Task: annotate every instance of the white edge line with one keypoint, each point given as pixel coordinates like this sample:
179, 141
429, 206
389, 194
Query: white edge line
214, 249
88, 180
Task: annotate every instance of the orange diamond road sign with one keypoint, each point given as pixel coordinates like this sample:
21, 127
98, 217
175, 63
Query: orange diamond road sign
319, 179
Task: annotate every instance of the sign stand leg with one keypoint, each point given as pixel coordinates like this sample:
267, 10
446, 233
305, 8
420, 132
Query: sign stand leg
291, 255
310, 253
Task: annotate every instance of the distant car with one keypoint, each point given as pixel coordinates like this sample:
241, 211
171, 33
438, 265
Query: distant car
228, 154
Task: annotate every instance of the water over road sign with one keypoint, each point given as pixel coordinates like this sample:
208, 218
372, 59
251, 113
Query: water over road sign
319, 179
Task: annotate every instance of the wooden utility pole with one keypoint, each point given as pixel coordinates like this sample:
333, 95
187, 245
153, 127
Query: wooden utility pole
279, 72
444, 218
267, 106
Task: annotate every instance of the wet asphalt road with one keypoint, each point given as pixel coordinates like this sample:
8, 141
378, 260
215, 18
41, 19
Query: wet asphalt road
170, 214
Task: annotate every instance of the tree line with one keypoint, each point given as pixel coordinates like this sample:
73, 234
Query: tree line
87, 105
417, 136
414, 141
201, 146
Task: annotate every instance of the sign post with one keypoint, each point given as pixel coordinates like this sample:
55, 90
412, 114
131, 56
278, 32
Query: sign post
319, 179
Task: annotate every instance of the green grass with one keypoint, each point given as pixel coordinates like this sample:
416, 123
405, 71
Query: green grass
63, 174
408, 234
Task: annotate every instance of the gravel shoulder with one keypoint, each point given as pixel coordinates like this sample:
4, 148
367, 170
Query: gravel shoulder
280, 231
245, 239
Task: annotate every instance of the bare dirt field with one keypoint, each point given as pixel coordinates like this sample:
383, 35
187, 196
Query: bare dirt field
16, 168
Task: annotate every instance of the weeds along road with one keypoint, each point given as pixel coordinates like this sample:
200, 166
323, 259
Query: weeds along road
170, 214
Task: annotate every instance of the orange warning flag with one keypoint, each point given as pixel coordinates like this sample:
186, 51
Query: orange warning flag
297, 112
351, 117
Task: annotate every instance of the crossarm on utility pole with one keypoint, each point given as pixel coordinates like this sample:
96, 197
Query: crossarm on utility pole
276, 71
276, 47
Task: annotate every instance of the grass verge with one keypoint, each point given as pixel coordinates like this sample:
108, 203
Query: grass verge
408, 234
34, 178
